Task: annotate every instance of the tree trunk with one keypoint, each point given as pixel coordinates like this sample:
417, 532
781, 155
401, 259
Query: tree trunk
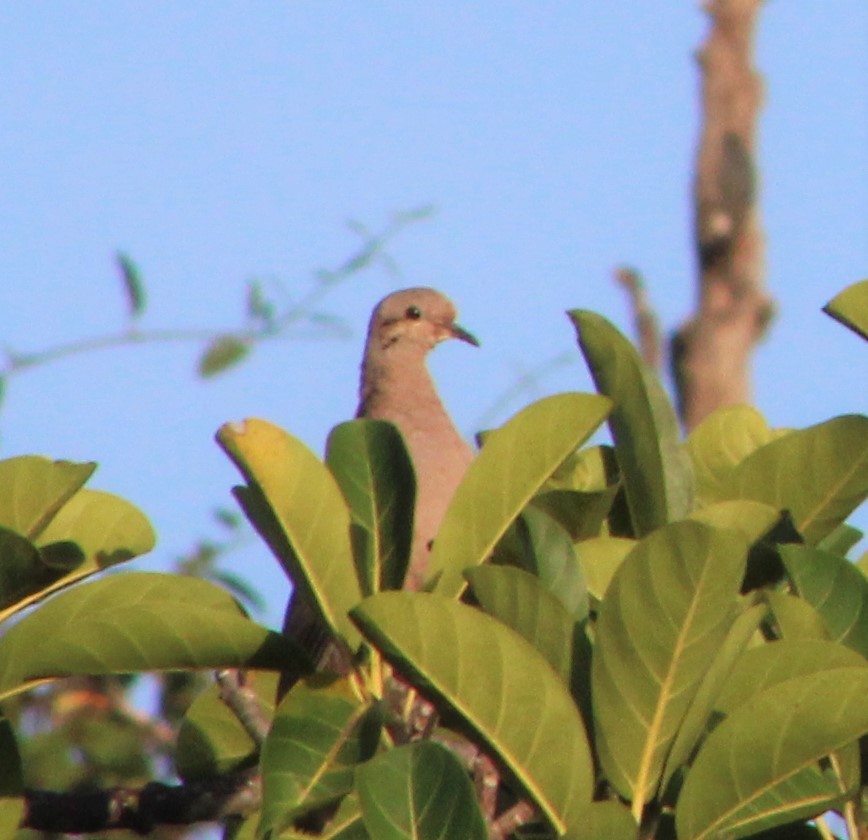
711, 353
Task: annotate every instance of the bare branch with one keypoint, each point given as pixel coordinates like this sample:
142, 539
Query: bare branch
644, 319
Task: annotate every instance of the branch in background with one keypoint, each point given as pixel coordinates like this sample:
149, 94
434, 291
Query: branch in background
644, 320
142, 809
264, 319
711, 353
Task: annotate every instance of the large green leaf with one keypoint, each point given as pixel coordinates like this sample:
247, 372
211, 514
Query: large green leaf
297, 506
795, 618
373, 468
835, 588
497, 684
321, 732
818, 474
35, 488
137, 622
419, 792
850, 308
514, 462
720, 443
759, 767
212, 740
666, 613
657, 473
517, 598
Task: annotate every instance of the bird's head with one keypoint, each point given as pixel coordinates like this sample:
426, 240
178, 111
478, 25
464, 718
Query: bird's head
419, 318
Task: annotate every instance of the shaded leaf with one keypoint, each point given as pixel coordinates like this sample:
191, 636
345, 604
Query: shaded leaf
850, 308
418, 792
759, 767
581, 514
548, 553
35, 488
296, 505
22, 569
321, 732
795, 617
11, 782
221, 354
835, 588
666, 613
137, 622
134, 289
656, 471
373, 469
512, 465
818, 474
211, 740
494, 682
518, 600
841, 540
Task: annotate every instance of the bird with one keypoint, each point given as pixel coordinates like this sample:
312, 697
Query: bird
395, 385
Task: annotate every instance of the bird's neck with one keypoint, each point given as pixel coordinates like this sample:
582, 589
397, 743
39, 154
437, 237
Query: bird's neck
396, 374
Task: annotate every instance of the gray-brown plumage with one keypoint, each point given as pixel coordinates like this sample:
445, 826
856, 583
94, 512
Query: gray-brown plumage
396, 386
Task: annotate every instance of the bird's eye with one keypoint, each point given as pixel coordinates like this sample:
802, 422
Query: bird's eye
413, 312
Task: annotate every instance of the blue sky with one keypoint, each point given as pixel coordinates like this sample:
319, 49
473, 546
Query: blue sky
216, 142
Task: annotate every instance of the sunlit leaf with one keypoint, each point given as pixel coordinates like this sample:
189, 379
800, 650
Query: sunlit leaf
656, 471
600, 558
841, 540
512, 465
720, 443
221, 354
835, 588
297, 506
666, 613
818, 474
419, 792
35, 488
372, 466
497, 685
759, 767
794, 617
850, 308
137, 622
321, 732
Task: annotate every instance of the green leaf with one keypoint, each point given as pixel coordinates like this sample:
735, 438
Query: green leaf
22, 569
835, 588
548, 553
819, 474
600, 558
296, 505
850, 308
609, 820
795, 617
373, 468
211, 740
512, 465
137, 622
221, 354
497, 684
518, 600
419, 792
656, 470
321, 732
581, 514
134, 289
759, 767
698, 717
753, 520
666, 613
35, 488
720, 443
841, 540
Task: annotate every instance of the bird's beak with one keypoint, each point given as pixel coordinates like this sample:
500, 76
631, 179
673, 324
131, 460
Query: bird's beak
460, 332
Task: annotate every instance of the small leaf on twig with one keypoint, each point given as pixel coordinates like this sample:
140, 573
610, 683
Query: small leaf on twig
221, 354
133, 287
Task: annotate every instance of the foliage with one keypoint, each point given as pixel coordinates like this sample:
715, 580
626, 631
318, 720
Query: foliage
658, 638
